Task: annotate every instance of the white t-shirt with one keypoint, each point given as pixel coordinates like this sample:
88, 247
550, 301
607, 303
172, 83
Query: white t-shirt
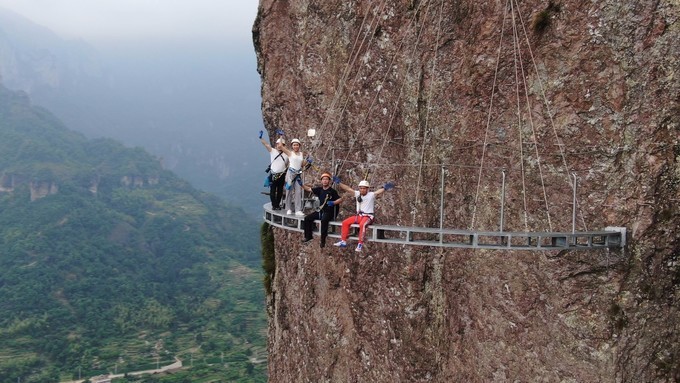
295, 160
278, 165
367, 204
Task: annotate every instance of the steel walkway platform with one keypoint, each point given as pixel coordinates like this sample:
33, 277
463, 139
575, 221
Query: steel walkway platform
610, 237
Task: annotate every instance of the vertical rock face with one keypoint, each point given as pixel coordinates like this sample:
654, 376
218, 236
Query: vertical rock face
41, 189
413, 91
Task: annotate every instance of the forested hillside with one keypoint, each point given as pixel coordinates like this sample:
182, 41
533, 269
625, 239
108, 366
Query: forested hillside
110, 263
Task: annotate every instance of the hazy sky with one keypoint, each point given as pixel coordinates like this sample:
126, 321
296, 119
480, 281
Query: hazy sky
106, 20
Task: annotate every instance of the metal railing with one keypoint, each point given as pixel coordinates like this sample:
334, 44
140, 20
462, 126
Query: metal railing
610, 237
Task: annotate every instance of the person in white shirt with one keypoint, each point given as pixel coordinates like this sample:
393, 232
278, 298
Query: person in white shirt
277, 170
365, 210
293, 185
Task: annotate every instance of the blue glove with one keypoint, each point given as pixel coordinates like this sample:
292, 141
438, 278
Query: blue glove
336, 179
261, 133
280, 132
309, 159
388, 186
330, 203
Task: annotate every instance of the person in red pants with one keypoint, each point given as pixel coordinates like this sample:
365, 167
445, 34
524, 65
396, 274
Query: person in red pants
365, 211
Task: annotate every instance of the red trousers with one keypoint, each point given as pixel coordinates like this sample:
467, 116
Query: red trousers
362, 220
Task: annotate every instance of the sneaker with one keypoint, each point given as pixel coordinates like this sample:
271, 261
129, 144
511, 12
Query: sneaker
322, 243
306, 240
299, 214
359, 247
340, 244
289, 212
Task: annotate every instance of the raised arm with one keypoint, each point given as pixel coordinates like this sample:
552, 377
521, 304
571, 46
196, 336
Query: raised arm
285, 150
266, 145
385, 187
342, 186
345, 187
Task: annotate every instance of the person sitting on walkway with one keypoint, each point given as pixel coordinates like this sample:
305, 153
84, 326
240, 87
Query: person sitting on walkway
328, 208
277, 170
365, 211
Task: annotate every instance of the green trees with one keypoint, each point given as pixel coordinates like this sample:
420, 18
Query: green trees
120, 266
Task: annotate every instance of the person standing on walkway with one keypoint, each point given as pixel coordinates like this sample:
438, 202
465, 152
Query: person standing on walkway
328, 208
293, 178
277, 170
365, 210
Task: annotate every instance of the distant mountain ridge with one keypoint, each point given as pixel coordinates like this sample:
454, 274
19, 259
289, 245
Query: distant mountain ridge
183, 102
108, 259
35, 59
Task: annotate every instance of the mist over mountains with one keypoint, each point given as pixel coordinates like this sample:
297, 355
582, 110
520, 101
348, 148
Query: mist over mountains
108, 262
194, 105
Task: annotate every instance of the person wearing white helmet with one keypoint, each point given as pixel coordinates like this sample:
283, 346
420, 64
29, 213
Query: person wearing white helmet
276, 169
365, 210
293, 181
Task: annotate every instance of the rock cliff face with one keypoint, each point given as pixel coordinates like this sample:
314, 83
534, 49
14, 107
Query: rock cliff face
416, 91
41, 189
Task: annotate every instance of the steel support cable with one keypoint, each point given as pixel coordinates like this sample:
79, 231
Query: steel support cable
516, 56
350, 63
488, 120
382, 82
428, 108
531, 120
417, 40
437, 165
378, 142
369, 34
355, 53
404, 165
560, 145
401, 89
413, 53
379, 90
